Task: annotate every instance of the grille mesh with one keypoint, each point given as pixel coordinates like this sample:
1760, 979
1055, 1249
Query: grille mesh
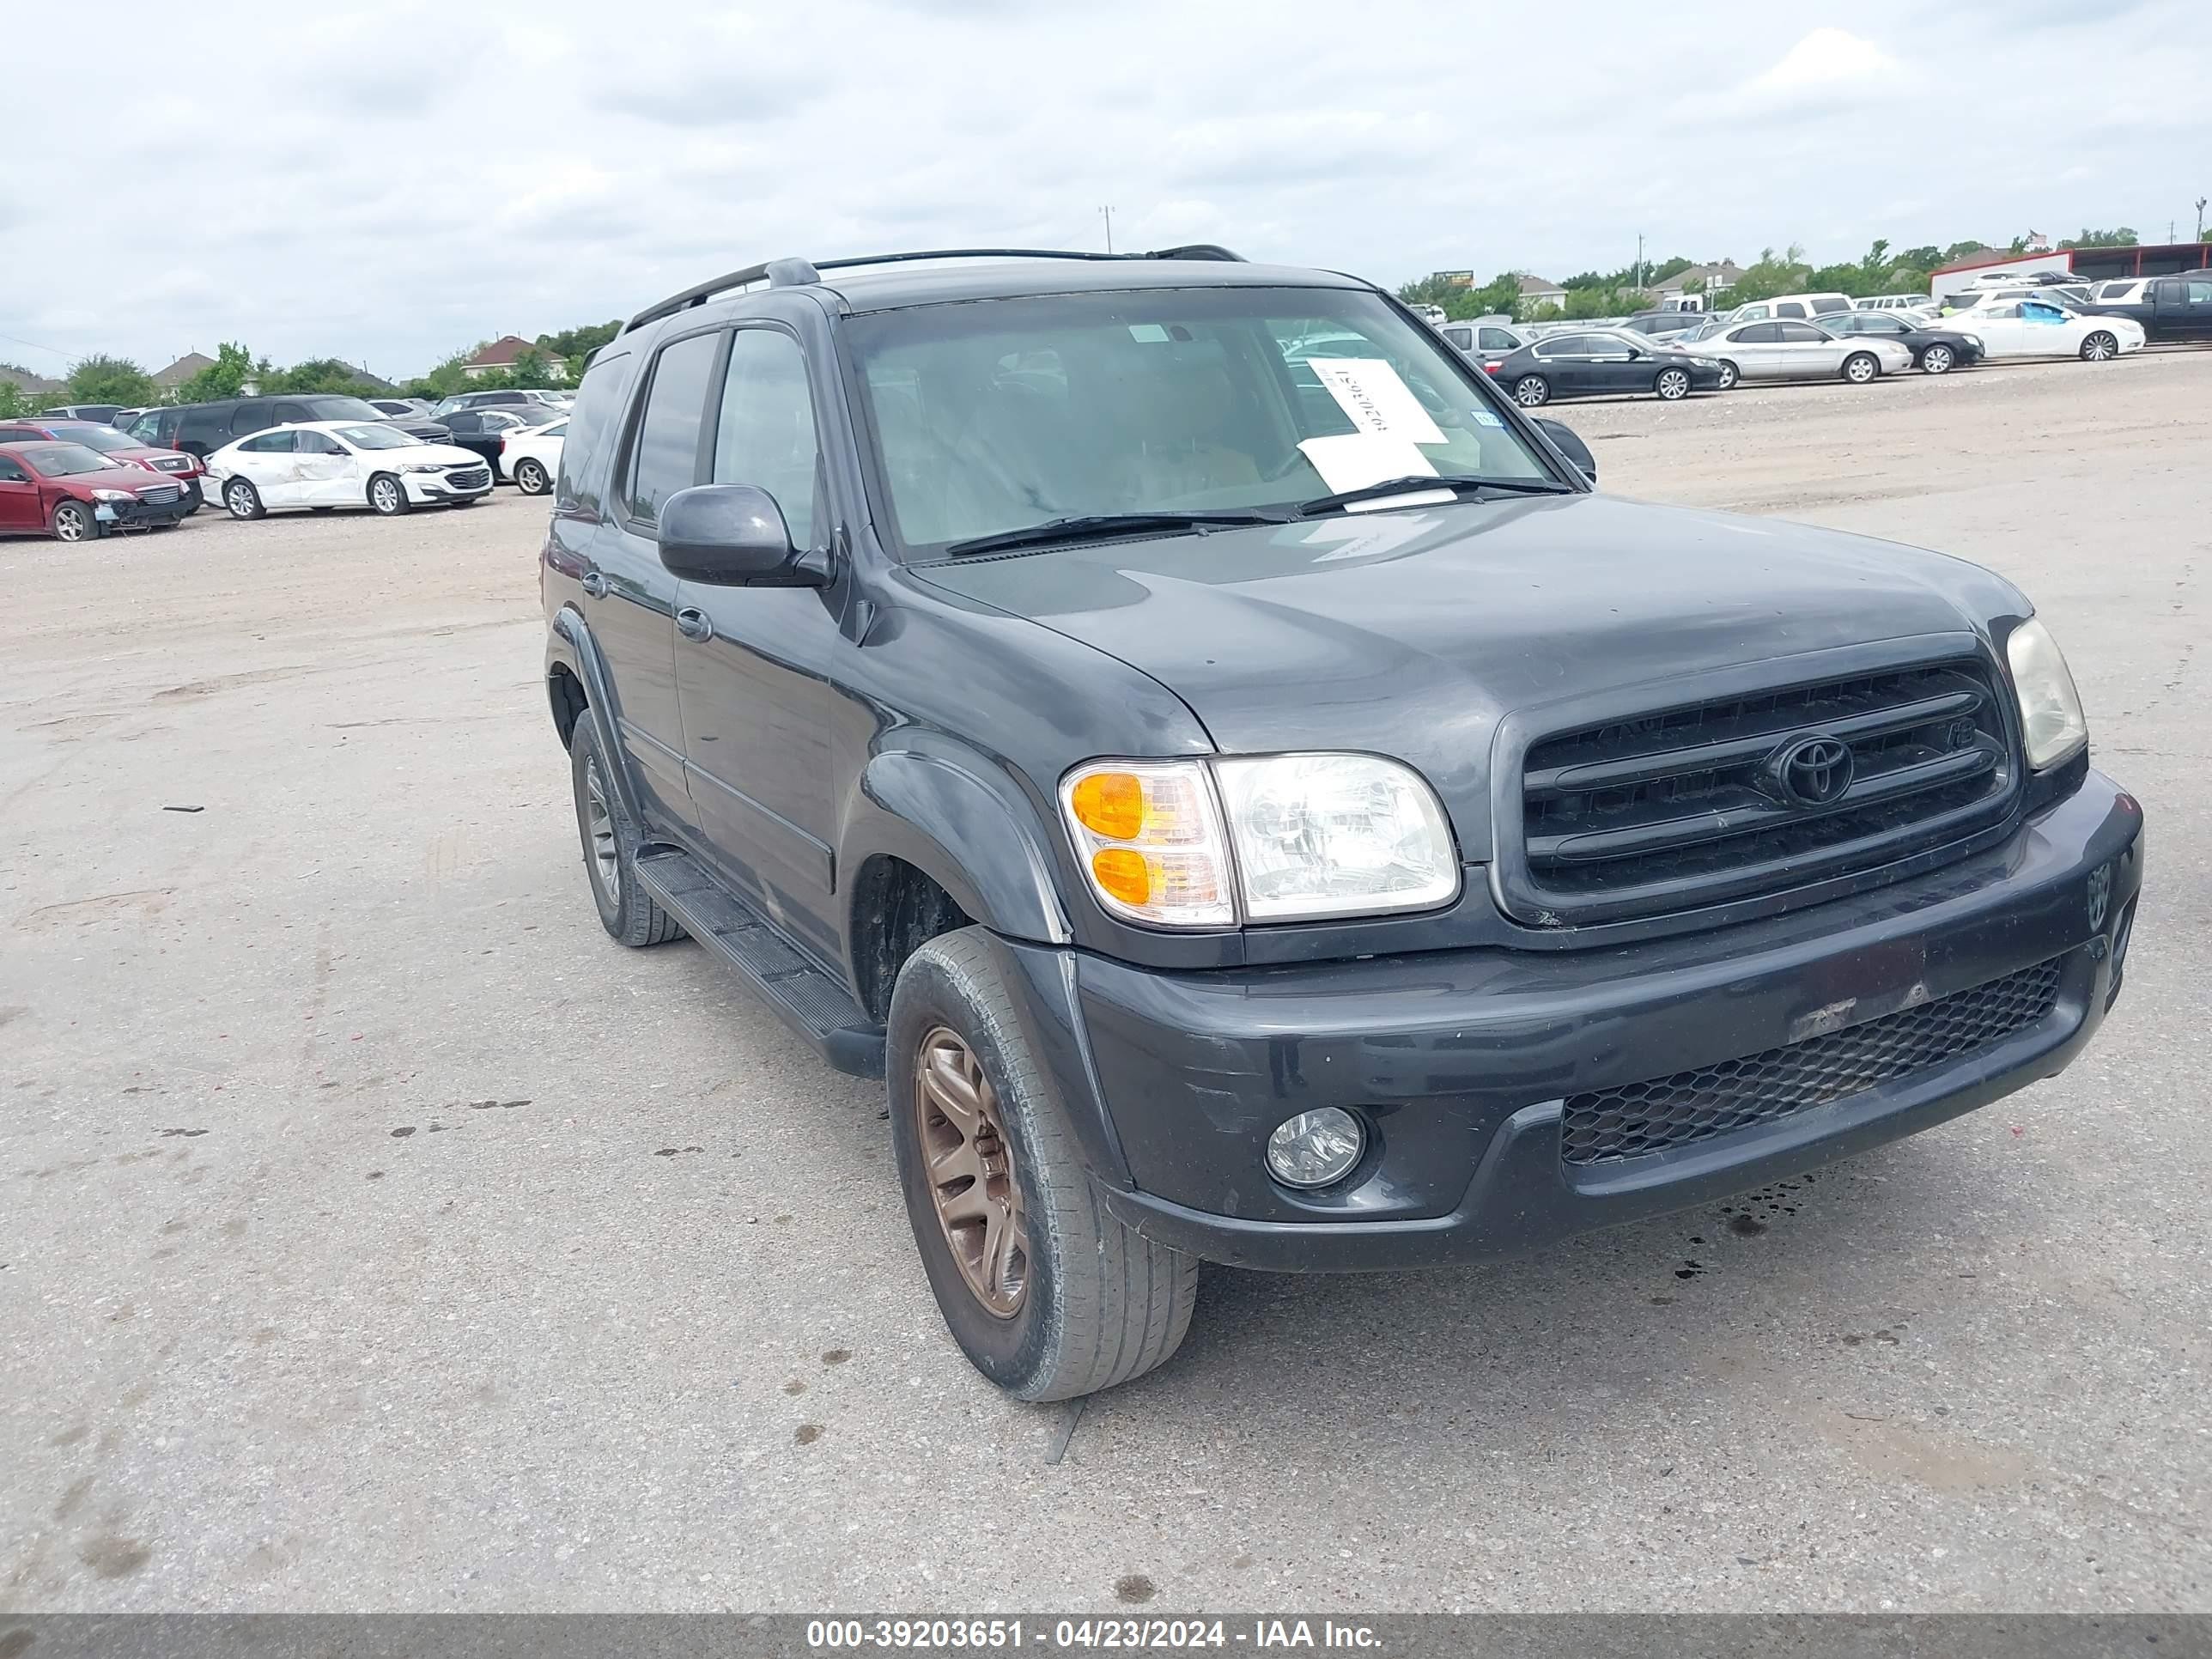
1637, 1118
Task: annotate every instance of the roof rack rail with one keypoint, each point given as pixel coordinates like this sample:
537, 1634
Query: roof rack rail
788, 273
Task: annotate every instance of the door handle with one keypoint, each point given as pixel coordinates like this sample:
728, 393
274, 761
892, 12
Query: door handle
692, 624
594, 585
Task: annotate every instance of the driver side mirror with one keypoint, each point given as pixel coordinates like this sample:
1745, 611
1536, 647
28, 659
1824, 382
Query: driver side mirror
1569, 443
733, 535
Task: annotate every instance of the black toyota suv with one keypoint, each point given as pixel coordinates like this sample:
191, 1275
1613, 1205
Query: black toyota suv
1224, 768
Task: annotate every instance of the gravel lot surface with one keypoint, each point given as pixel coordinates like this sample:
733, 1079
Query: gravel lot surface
377, 1234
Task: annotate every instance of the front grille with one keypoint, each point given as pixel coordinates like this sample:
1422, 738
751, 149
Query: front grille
174, 463
160, 495
1688, 805
469, 477
1637, 1118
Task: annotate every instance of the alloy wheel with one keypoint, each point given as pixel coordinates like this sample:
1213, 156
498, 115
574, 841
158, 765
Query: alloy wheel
599, 826
239, 498
2099, 347
968, 1164
1530, 392
1859, 370
1937, 360
72, 524
1673, 384
384, 495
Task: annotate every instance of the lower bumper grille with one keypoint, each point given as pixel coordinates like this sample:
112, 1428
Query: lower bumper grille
1662, 1112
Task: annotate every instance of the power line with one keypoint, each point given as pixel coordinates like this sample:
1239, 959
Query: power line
35, 346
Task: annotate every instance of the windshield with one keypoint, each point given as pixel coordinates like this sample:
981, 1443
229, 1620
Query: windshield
1002, 413
60, 460
375, 437
343, 409
105, 438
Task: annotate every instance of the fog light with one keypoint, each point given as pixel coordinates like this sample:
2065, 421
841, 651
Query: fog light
1314, 1148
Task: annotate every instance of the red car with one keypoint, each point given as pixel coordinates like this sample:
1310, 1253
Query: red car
187, 470
74, 494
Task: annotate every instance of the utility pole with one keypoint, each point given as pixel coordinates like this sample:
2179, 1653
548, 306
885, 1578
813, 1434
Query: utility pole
2200, 217
1108, 211
1639, 259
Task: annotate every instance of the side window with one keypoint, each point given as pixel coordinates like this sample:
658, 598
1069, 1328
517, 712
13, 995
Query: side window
249, 418
1758, 334
598, 408
1798, 333
664, 456
287, 414
2200, 294
1564, 345
1497, 339
18, 434
317, 443
1753, 313
269, 443
1461, 338
766, 435
1824, 307
1789, 308
11, 472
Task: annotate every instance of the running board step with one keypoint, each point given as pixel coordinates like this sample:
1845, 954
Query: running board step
814, 1005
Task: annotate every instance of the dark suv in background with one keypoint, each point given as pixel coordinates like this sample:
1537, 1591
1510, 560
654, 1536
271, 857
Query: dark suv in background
1184, 728
201, 428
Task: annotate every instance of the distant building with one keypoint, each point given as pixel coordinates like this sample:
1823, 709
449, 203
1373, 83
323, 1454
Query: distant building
1718, 279
30, 385
182, 370
2081, 265
1536, 291
501, 353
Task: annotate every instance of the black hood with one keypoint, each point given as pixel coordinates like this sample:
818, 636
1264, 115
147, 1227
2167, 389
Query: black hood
1412, 632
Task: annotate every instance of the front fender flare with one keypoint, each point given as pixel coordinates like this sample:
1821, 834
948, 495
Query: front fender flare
963, 822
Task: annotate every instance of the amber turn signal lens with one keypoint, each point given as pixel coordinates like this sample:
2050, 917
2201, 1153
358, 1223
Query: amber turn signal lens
1110, 803
1123, 874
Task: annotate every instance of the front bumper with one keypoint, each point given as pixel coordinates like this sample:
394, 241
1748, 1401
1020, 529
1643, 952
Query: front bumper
463, 484
112, 516
1463, 1063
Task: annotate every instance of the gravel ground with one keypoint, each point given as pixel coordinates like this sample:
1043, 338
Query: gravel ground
379, 1235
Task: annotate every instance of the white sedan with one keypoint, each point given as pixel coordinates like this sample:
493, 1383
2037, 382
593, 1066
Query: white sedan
2036, 328
532, 458
324, 464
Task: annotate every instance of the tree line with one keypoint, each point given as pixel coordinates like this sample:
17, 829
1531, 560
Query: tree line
1616, 293
102, 378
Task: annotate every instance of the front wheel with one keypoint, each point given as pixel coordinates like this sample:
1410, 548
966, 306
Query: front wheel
1860, 367
1729, 375
1673, 384
243, 500
2099, 347
1937, 360
1532, 392
1046, 1294
74, 522
387, 496
529, 478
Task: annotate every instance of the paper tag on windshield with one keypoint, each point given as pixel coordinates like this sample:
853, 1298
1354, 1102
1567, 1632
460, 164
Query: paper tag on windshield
1353, 460
1374, 399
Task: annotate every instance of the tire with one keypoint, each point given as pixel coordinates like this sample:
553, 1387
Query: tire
1093, 1303
1937, 360
1729, 375
529, 477
243, 500
1861, 368
387, 496
2100, 348
1673, 385
1532, 392
73, 522
611, 838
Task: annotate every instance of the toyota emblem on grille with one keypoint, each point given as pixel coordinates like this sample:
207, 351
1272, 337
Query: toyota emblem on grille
1811, 771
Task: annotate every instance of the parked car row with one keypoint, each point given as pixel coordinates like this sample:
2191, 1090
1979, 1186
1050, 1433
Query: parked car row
75, 478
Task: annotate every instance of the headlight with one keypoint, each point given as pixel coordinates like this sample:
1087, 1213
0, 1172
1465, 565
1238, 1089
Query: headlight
2050, 708
1973, 340
423, 466
1313, 836
112, 496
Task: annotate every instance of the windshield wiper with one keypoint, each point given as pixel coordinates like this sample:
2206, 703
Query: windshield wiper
1409, 485
1086, 526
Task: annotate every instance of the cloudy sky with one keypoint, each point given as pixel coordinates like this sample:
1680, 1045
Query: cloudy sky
388, 182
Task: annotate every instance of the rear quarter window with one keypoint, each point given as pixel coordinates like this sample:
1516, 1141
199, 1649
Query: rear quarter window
592, 427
